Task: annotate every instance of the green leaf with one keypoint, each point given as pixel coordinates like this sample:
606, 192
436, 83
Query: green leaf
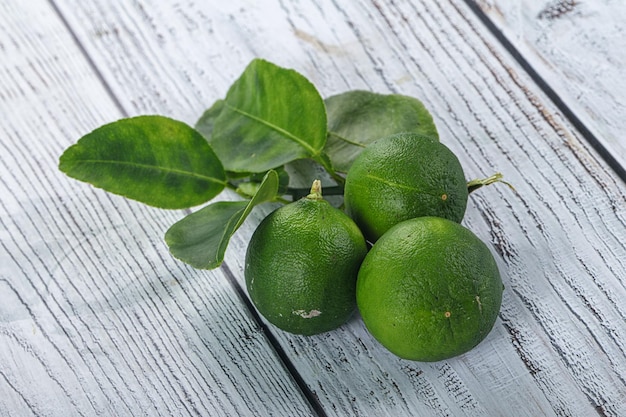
283, 179
153, 159
206, 122
270, 116
247, 186
205, 125
201, 238
357, 118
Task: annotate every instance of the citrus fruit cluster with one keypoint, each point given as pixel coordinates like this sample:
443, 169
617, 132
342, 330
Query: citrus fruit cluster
428, 288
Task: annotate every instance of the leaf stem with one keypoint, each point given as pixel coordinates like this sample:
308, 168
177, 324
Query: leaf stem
324, 161
231, 186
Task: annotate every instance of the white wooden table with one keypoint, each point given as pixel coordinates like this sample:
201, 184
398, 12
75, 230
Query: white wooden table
97, 318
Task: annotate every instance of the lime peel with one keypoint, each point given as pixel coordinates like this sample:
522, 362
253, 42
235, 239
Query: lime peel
429, 289
302, 263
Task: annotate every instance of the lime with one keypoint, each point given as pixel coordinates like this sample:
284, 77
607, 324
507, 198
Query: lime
403, 176
429, 289
301, 265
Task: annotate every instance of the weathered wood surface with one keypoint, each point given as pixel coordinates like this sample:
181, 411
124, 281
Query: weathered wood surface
97, 318
578, 48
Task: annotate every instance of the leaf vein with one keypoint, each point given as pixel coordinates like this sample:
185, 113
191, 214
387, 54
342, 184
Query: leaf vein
153, 167
278, 129
346, 140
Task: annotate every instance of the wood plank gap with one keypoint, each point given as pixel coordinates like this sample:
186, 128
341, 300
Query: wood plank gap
314, 402
90, 61
568, 113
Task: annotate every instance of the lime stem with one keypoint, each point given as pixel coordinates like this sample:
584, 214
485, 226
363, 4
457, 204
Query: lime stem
316, 191
298, 193
474, 185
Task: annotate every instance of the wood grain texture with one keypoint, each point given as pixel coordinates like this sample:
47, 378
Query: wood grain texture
578, 48
557, 349
96, 317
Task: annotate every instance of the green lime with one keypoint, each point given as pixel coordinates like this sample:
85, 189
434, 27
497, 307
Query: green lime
429, 289
403, 176
301, 265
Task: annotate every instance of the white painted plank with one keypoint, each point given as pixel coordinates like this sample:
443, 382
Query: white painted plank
579, 49
96, 317
558, 346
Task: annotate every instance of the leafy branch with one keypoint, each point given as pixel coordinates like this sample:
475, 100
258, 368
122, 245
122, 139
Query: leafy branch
265, 141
